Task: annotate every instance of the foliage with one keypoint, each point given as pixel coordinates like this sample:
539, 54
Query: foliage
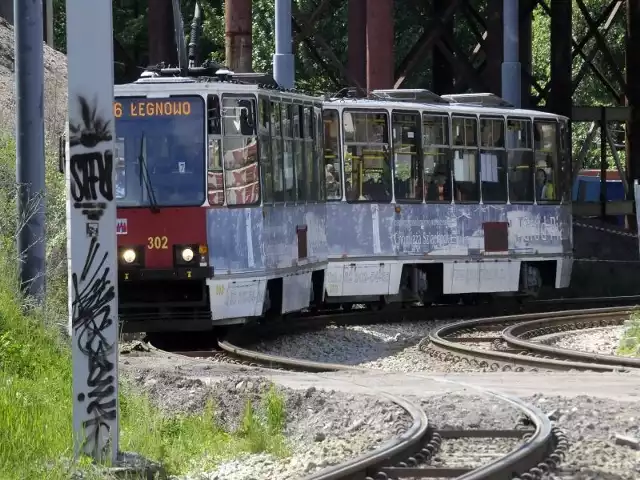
590, 90
36, 375
412, 18
630, 341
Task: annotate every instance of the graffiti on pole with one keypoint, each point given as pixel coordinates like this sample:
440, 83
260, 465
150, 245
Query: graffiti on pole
91, 230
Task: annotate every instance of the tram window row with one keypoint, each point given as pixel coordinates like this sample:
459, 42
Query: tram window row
439, 158
281, 151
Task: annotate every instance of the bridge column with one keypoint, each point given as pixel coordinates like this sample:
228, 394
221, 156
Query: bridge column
357, 41
560, 94
380, 39
633, 99
238, 29
492, 74
526, 59
162, 46
442, 71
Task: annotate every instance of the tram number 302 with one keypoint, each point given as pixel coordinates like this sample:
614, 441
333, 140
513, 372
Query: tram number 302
157, 243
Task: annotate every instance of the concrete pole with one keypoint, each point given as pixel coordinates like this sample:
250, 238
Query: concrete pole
91, 229
30, 145
283, 66
511, 75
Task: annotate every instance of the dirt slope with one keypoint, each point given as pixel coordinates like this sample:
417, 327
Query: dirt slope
55, 87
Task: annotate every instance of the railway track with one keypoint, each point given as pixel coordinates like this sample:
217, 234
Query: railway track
534, 447
507, 341
513, 347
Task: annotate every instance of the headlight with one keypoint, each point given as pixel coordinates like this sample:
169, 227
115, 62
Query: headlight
129, 255
187, 254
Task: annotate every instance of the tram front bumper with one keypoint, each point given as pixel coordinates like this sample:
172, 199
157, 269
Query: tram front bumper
182, 273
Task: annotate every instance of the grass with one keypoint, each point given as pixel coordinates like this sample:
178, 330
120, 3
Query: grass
35, 375
630, 341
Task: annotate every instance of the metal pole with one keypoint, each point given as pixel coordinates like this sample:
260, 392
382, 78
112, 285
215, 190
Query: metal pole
48, 22
6, 10
30, 145
283, 66
91, 229
511, 65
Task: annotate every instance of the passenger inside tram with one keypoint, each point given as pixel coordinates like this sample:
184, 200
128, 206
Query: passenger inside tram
436, 158
520, 160
332, 154
333, 182
493, 172
465, 158
408, 170
367, 159
546, 160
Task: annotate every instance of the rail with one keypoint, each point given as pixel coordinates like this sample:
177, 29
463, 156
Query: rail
409, 456
442, 342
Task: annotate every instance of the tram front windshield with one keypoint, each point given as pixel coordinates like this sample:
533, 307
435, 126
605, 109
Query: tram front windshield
160, 151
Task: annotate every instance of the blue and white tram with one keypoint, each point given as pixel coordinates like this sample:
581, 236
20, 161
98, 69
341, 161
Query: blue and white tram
434, 197
267, 227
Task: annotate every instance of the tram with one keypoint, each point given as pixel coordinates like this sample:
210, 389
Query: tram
220, 200
444, 197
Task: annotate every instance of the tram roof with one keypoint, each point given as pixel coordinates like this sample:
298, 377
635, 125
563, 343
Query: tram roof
460, 108
162, 86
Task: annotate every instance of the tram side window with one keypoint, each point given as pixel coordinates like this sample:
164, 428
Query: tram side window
215, 175
121, 172
240, 150
406, 156
288, 168
318, 162
366, 161
307, 129
465, 159
276, 150
298, 153
264, 144
436, 158
520, 160
332, 166
493, 168
565, 161
546, 160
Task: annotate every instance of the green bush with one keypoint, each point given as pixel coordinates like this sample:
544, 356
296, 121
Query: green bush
630, 341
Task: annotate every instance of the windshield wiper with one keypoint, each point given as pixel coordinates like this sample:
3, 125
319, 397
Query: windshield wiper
146, 178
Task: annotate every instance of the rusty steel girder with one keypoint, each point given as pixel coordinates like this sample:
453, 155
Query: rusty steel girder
237, 31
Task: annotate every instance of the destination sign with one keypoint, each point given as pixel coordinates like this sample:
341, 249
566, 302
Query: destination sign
152, 108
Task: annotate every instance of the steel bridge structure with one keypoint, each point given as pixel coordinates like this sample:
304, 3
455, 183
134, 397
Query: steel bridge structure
583, 47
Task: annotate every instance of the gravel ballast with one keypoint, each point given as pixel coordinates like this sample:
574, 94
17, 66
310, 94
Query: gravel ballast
591, 426
601, 341
393, 347
323, 427
321, 436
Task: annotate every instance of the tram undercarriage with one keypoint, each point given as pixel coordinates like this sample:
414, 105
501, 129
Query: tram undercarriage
463, 281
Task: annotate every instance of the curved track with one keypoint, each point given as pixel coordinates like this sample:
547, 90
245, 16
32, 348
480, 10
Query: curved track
457, 342
409, 455
452, 342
